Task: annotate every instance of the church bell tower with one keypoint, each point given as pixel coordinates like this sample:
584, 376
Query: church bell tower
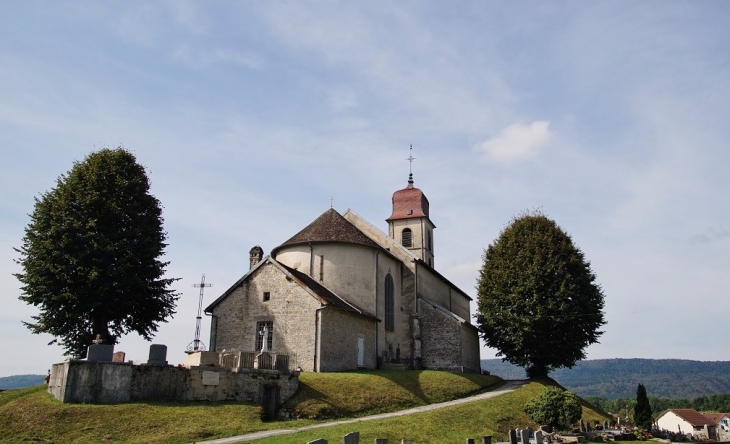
409, 224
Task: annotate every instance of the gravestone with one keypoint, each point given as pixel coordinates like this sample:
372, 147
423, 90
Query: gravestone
158, 355
406, 441
118, 356
538, 437
605, 425
525, 435
487, 439
582, 426
318, 441
381, 440
469, 440
512, 436
351, 438
100, 353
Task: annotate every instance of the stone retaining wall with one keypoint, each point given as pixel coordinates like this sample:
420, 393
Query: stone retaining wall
111, 382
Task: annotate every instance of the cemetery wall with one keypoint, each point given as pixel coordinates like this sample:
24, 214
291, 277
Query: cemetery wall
111, 382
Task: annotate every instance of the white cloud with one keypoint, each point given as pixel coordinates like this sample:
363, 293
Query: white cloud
517, 141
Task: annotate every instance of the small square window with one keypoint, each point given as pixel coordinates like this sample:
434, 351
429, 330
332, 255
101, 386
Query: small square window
267, 296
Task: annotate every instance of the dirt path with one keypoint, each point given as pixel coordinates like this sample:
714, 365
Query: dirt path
506, 388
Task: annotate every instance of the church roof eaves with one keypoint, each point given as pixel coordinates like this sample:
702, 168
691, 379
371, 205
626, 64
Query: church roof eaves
326, 295
330, 226
234, 286
319, 291
445, 310
392, 243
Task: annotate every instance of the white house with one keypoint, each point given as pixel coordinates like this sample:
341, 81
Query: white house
687, 421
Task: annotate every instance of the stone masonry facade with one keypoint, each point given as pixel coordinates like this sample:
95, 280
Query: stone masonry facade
340, 334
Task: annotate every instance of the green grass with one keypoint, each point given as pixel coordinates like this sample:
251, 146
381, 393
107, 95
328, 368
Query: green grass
33, 415
494, 416
340, 395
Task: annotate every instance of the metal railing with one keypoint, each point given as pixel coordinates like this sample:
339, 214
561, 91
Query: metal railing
235, 360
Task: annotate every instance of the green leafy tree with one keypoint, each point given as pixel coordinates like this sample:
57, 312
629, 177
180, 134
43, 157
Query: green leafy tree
538, 303
555, 407
90, 255
642, 410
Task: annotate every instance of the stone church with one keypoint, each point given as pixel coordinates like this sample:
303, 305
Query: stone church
342, 295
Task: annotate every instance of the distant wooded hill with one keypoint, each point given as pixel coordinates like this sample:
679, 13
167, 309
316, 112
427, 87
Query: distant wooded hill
618, 378
20, 381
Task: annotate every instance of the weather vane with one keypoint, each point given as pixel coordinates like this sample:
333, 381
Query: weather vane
197, 344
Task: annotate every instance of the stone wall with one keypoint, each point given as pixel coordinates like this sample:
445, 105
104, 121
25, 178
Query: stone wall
440, 338
290, 307
339, 340
108, 382
470, 348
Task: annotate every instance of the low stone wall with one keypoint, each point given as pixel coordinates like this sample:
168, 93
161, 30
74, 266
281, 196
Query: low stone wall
112, 382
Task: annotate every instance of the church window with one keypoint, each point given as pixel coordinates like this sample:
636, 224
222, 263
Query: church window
260, 326
406, 238
389, 303
429, 239
267, 296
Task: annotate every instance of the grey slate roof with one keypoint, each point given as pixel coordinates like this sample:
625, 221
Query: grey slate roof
329, 227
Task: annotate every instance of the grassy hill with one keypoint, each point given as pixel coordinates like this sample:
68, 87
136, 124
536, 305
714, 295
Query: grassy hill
32, 415
616, 378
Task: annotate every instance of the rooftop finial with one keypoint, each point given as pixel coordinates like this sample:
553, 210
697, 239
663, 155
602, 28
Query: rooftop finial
410, 160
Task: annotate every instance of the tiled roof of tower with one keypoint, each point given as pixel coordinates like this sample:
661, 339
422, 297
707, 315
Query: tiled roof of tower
408, 203
329, 227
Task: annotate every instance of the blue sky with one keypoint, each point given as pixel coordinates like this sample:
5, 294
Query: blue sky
612, 117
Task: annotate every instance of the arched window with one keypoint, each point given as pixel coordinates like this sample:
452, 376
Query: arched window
429, 239
389, 303
406, 238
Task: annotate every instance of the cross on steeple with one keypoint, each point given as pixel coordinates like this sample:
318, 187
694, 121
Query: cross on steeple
410, 160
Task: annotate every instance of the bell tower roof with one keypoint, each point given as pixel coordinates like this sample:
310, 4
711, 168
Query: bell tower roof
410, 202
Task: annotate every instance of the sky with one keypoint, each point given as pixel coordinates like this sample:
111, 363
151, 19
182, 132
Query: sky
610, 117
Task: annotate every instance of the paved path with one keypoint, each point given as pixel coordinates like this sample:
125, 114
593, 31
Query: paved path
506, 388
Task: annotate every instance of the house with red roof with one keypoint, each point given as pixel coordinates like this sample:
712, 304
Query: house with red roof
341, 294
722, 425
687, 422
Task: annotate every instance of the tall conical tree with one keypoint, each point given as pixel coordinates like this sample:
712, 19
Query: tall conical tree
642, 411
